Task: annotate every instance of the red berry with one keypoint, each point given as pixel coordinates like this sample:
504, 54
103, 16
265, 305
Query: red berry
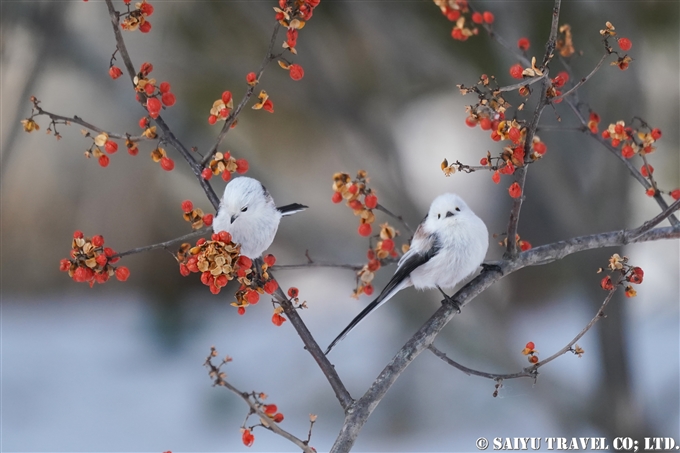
373, 264
168, 99
98, 240
110, 146
270, 409
206, 277
656, 133
208, 219
616, 142
524, 245
625, 44
387, 244
523, 44
104, 160
278, 418
356, 205
453, 15
241, 311
122, 273
184, 270
365, 229
471, 121
225, 236
226, 97
146, 68
164, 87
226, 176
207, 174
145, 27
488, 17
606, 283
495, 136
337, 197
531, 345
64, 265
514, 134
252, 297
293, 292
516, 71
675, 194
270, 286
268, 106
485, 124
251, 78
644, 171
627, 151
115, 72
277, 319
243, 260
368, 290
153, 105
496, 177
540, 147
78, 234
296, 72
187, 206
241, 166
515, 190
651, 192
221, 280
149, 88
371, 201
212, 119
618, 128
167, 164
144, 122
353, 189
146, 8
215, 289
270, 260
477, 18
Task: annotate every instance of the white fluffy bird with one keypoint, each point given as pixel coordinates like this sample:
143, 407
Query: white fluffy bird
449, 244
247, 211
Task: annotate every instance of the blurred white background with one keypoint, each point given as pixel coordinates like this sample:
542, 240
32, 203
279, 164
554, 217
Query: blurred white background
118, 367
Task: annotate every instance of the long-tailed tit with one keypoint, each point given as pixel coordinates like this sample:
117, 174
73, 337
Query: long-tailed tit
449, 244
247, 211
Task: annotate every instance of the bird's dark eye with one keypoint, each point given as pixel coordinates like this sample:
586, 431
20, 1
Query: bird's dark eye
439, 216
458, 209
244, 209
449, 214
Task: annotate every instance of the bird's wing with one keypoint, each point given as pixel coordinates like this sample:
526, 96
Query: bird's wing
290, 209
410, 261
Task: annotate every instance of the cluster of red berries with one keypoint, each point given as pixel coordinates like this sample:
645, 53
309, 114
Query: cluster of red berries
263, 102
224, 164
270, 410
383, 252
466, 20
352, 190
632, 140
221, 108
625, 45
628, 273
91, 262
137, 18
293, 14
196, 216
530, 350
152, 92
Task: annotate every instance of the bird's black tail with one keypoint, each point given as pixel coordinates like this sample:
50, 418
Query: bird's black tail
290, 209
369, 308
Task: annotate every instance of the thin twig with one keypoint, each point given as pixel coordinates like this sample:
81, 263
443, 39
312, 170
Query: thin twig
522, 84
532, 371
648, 225
164, 245
267, 422
233, 115
284, 267
382, 208
582, 81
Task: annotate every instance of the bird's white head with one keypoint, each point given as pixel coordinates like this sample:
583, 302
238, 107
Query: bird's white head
245, 198
448, 208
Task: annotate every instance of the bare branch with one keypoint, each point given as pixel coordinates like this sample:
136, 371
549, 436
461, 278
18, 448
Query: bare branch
583, 80
524, 83
268, 423
382, 208
164, 245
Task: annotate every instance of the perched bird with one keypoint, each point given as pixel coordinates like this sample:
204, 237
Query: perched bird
247, 211
448, 245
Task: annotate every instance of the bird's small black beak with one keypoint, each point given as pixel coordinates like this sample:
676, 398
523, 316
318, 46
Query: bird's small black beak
233, 218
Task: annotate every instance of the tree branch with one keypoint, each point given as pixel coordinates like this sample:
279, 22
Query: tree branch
583, 80
164, 245
382, 208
